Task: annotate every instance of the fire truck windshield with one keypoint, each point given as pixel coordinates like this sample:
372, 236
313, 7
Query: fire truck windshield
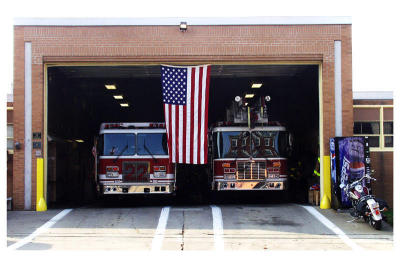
245, 144
152, 144
123, 144
119, 144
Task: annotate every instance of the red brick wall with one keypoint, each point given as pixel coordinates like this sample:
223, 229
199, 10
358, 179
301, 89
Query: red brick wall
162, 44
373, 102
18, 158
382, 163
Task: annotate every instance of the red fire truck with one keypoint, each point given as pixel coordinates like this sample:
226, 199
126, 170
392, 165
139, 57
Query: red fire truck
248, 151
132, 158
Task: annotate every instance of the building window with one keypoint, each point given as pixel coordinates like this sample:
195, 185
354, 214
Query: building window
370, 129
376, 122
10, 137
388, 133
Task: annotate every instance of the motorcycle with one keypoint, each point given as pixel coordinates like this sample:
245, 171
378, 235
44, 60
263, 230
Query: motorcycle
364, 204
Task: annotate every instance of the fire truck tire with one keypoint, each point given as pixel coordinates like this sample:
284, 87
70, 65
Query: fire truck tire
285, 196
104, 200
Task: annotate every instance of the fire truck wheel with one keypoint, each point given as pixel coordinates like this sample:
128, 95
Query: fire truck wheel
285, 196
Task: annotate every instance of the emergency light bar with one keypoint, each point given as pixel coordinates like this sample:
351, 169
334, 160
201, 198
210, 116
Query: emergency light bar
128, 125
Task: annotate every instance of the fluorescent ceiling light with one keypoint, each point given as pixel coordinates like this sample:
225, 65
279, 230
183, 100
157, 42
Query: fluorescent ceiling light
256, 85
249, 96
124, 104
79, 140
118, 97
111, 87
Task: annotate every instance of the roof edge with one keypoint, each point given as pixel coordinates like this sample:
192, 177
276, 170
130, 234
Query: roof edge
271, 20
372, 95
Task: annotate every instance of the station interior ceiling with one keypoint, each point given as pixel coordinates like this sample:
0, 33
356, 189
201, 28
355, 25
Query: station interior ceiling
78, 101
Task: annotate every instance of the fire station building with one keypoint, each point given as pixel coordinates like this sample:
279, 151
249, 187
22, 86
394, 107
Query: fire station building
61, 67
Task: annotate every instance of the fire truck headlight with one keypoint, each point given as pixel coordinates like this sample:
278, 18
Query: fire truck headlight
229, 176
112, 171
160, 174
112, 174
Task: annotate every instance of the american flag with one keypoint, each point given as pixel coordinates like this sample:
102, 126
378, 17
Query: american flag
185, 97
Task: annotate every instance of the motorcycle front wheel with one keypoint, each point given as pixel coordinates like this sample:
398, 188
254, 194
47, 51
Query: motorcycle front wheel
376, 224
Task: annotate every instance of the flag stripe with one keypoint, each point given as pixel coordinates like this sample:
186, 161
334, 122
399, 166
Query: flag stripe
192, 115
173, 134
180, 137
206, 115
196, 116
200, 116
203, 103
184, 147
176, 111
188, 116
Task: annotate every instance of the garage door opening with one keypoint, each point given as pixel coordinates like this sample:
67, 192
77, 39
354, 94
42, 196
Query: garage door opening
78, 102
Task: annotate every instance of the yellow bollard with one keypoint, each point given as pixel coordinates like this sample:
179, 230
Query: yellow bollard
40, 202
326, 198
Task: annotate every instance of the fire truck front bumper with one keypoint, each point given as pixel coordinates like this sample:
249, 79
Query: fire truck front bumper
137, 188
269, 184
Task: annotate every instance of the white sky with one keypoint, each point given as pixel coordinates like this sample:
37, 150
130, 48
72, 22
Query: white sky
374, 25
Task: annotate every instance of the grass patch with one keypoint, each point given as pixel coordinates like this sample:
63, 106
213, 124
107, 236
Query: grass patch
388, 216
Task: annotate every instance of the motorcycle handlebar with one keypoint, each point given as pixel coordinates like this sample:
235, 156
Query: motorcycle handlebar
359, 180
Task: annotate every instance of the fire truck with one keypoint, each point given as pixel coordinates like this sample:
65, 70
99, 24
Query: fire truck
132, 158
248, 152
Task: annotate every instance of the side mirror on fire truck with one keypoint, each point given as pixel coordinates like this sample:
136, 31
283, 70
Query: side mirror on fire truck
290, 139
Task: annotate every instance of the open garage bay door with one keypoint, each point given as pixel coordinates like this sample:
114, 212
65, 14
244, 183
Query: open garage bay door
78, 102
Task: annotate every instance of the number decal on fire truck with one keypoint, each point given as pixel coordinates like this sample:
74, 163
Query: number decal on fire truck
135, 171
142, 171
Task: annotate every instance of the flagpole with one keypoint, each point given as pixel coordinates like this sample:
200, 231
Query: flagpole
190, 66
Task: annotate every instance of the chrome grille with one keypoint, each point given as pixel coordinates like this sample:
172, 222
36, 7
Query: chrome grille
247, 170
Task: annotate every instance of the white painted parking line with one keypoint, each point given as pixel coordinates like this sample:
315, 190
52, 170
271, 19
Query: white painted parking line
333, 227
162, 224
187, 209
40, 230
218, 227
